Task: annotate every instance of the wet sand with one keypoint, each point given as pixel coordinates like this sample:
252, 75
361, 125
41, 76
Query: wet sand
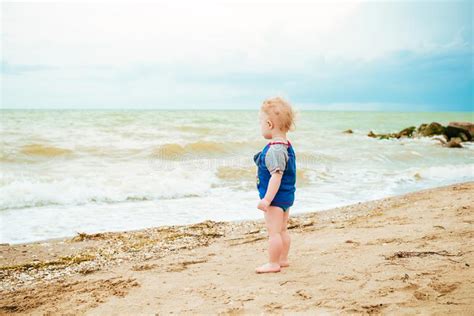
408, 254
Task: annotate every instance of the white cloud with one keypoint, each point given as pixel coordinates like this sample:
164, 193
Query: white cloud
255, 36
212, 33
99, 53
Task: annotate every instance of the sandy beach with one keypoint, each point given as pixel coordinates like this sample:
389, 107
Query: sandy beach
407, 254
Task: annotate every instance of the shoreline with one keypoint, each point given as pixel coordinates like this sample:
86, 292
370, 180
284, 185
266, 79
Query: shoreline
333, 209
114, 266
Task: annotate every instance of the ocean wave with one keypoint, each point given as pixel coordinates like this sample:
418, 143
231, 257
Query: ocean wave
309, 158
25, 192
44, 150
195, 129
236, 173
464, 172
35, 153
227, 173
174, 151
418, 176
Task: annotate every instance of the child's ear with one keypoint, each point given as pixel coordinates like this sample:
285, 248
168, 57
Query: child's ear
270, 124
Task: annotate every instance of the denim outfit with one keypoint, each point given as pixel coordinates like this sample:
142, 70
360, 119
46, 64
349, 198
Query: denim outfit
285, 196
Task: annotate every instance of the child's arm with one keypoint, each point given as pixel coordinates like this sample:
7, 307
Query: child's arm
273, 186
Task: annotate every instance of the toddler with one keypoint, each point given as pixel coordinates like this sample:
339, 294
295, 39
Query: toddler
276, 178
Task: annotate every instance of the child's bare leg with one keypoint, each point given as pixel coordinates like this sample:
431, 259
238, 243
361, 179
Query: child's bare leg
273, 220
286, 240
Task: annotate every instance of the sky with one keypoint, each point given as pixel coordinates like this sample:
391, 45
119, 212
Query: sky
353, 55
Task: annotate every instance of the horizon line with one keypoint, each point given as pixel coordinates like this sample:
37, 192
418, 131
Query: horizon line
227, 109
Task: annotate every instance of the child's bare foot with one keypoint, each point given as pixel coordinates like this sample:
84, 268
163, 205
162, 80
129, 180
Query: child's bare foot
268, 267
284, 263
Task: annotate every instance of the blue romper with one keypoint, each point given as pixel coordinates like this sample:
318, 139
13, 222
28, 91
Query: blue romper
285, 196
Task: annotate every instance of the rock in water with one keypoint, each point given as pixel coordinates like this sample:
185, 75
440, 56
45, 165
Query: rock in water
463, 130
407, 132
455, 142
442, 138
451, 136
421, 128
464, 137
433, 129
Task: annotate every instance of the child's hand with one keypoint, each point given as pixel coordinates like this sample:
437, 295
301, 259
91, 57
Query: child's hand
263, 205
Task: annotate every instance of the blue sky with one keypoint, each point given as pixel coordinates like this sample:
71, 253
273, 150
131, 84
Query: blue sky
388, 55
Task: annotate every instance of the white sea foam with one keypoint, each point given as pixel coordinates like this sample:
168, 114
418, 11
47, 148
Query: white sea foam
109, 186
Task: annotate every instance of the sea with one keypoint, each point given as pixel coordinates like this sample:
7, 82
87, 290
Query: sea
69, 171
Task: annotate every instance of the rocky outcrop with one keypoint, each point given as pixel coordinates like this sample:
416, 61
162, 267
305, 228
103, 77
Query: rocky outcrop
431, 129
450, 136
407, 132
464, 125
454, 142
460, 129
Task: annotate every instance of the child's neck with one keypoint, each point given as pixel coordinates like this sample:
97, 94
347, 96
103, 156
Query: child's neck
279, 137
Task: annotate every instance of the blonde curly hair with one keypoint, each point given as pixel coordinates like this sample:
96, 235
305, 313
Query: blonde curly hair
280, 112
